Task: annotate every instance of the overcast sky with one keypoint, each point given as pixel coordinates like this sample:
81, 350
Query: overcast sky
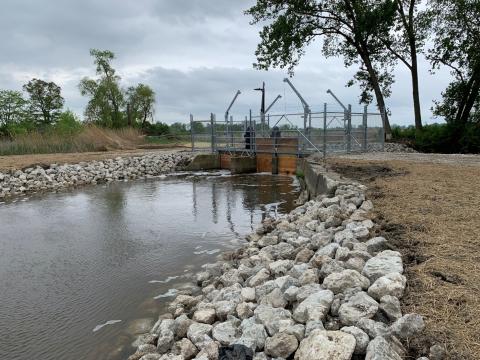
194, 53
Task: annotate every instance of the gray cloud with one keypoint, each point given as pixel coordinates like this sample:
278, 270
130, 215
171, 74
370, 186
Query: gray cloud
194, 53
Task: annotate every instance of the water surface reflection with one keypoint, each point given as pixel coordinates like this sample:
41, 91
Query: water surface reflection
71, 262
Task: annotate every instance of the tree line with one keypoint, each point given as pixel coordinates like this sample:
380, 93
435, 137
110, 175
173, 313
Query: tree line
41, 105
375, 36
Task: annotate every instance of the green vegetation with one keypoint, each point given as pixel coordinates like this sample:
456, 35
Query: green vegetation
440, 138
375, 36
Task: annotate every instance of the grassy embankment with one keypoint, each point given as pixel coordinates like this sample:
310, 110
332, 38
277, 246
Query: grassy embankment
87, 139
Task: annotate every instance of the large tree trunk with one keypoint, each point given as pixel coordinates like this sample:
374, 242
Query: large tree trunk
469, 98
415, 89
378, 94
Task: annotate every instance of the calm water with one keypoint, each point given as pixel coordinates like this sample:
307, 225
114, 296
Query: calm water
70, 262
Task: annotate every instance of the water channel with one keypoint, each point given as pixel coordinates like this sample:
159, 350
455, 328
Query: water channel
82, 272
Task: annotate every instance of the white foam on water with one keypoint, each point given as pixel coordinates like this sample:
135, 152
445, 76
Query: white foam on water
209, 252
109, 322
167, 280
169, 293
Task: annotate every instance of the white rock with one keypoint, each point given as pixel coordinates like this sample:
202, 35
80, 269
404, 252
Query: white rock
382, 264
380, 349
225, 333
390, 305
314, 307
271, 317
281, 345
206, 316
361, 338
339, 282
392, 284
326, 345
357, 307
408, 326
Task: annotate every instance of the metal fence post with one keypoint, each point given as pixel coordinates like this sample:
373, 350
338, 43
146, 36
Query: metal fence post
365, 129
349, 128
212, 130
382, 132
324, 130
192, 135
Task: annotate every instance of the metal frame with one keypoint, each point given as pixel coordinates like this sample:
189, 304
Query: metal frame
332, 131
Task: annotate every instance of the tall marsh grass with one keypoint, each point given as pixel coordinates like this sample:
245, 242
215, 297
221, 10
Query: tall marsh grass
87, 138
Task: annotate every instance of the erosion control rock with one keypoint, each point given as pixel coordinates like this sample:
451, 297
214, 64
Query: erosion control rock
326, 345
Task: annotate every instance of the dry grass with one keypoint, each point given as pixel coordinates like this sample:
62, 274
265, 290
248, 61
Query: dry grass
90, 138
431, 213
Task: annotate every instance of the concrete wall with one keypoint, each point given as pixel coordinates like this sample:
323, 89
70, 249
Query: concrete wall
243, 164
317, 179
204, 162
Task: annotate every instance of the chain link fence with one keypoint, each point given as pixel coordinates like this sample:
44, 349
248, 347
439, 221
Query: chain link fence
325, 132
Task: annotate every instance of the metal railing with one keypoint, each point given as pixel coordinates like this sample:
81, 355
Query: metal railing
325, 132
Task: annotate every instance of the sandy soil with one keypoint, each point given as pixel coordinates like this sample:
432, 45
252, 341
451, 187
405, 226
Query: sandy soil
24, 161
429, 208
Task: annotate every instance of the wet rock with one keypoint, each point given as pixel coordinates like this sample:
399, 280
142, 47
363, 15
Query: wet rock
281, 345
326, 345
339, 282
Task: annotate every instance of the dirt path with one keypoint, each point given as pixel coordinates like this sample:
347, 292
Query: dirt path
23, 161
430, 210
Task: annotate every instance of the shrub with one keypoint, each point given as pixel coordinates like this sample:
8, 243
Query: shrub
441, 138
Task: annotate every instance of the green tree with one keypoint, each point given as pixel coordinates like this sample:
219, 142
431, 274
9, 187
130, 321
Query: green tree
106, 97
141, 100
348, 28
46, 101
12, 107
456, 46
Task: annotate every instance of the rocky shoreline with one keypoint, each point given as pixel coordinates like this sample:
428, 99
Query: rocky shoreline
313, 284
56, 177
